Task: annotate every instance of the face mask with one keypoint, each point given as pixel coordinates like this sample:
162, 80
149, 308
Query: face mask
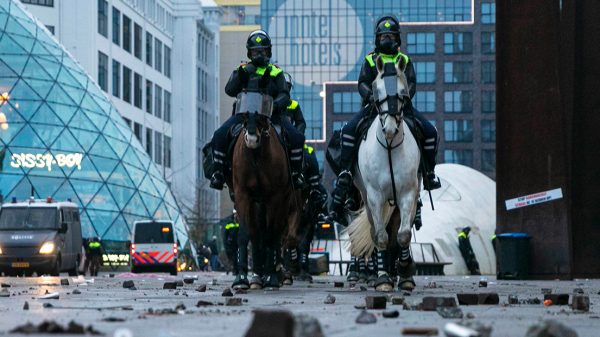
389, 46
260, 60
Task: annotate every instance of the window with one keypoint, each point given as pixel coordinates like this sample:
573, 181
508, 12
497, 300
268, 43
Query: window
116, 78
488, 101
424, 101
488, 131
149, 49
158, 152
157, 55
103, 71
463, 157
116, 26
126, 84
137, 41
488, 42
137, 131
47, 3
102, 17
126, 33
458, 43
458, 72
168, 62
346, 102
167, 111
458, 101
488, 72
149, 97
420, 43
158, 101
167, 146
137, 90
425, 72
458, 131
50, 29
488, 13
149, 148
488, 160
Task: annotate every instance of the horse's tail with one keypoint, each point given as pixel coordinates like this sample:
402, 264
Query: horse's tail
361, 232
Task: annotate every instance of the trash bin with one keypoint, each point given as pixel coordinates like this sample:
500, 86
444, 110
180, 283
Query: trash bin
513, 256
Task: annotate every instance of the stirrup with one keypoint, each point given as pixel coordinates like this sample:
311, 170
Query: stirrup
431, 182
297, 180
344, 179
217, 180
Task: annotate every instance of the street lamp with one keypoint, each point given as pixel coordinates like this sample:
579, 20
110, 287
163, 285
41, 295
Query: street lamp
4, 97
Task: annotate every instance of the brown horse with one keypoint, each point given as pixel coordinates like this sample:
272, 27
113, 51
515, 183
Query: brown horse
264, 198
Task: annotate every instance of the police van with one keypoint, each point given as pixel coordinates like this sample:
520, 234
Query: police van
154, 246
42, 236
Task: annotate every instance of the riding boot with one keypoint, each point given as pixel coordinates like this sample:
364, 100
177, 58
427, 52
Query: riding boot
418, 221
430, 181
336, 209
296, 157
217, 179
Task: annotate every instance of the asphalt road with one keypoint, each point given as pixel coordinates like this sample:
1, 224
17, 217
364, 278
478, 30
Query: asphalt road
101, 304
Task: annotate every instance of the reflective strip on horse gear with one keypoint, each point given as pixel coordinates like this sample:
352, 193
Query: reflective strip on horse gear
231, 225
348, 136
386, 58
217, 160
429, 147
347, 143
294, 158
261, 70
219, 153
296, 150
316, 177
308, 149
462, 235
293, 105
430, 140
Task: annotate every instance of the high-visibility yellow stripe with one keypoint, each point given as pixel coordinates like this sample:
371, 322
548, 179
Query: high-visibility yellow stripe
309, 149
293, 104
386, 58
462, 235
274, 70
231, 225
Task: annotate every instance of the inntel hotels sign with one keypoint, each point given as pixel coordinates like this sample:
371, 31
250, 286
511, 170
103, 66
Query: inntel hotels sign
326, 36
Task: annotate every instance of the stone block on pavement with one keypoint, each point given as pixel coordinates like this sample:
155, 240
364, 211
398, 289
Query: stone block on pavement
557, 299
271, 323
431, 303
550, 328
128, 284
170, 285
375, 302
581, 303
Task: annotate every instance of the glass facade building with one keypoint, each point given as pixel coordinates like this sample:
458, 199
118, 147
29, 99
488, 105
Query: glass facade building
60, 136
322, 44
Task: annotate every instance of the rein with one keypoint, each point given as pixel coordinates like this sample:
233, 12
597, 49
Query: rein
388, 146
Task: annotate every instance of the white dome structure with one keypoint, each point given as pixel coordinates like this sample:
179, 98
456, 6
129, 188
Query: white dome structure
467, 198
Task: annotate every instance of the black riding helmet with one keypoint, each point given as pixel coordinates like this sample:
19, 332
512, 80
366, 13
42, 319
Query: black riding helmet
387, 25
259, 39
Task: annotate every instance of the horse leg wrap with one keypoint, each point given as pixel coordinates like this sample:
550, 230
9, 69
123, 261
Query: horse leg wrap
405, 257
371, 264
361, 264
382, 262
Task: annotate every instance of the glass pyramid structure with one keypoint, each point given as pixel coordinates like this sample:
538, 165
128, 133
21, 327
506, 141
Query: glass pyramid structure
60, 136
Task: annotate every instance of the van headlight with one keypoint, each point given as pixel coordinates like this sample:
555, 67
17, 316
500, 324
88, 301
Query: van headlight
47, 248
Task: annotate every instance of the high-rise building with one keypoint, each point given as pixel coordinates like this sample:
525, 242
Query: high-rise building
452, 44
61, 135
157, 61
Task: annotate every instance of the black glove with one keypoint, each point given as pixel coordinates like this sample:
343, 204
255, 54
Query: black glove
250, 68
243, 74
264, 80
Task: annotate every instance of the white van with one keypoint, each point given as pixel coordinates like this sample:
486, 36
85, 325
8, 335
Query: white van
154, 246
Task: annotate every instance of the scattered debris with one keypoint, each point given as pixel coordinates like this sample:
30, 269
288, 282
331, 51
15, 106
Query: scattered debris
470, 315
227, 292
128, 284
76, 292
557, 299
534, 300
202, 303
179, 283
233, 301
548, 303
431, 285
111, 275
483, 284
307, 326
26, 306
51, 327
430, 303
450, 312
338, 284
170, 285
5, 285
375, 302
272, 324
4, 293
397, 300
513, 299
578, 291
546, 291
201, 288
50, 296
581, 303
550, 328
330, 299
161, 312
391, 314
188, 280
180, 307
366, 317
214, 282
113, 319
418, 331
474, 299
455, 330
64, 281
47, 305
360, 306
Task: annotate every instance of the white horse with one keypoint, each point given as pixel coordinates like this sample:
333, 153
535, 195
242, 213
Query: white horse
387, 177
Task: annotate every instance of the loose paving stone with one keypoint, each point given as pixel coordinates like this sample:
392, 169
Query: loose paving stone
188, 280
4, 293
550, 328
366, 317
338, 284
76, 292
360, 307
483, 284
5, 285
375, 302
467, 299
431, 303
51, 327
128, 284
449, 312
488, 299
233, 301
475, 299
113, 319
307, 326
272, 324
202, 303
557, 299
180, 283
26, 306
201, 288
180, 307
578, 291
391, 314
170, 285
227, 292
581, 303
330, 299
396, 300
64, 281
419, 331
513, 299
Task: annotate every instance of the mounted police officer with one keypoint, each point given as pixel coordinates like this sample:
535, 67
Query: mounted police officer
387, 44
293, 112
270, 79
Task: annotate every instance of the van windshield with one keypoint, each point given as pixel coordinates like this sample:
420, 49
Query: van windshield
28, 218
153, 232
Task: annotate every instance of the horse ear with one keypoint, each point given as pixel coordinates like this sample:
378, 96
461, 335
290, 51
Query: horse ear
379, 64
402, 63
